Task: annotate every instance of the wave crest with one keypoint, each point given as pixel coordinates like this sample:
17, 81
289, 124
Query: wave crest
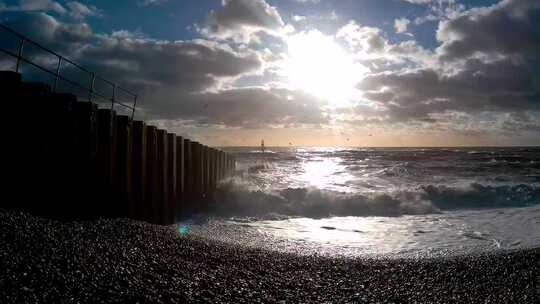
237, 198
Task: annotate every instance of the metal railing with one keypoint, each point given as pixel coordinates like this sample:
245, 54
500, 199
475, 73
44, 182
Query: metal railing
92, 77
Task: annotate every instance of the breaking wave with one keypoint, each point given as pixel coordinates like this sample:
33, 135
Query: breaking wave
237, 198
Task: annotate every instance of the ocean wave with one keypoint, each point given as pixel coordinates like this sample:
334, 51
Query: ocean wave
237, 198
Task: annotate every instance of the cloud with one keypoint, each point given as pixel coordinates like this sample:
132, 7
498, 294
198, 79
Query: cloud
192, 66
488, 62
364, 39
151, 2
239, 19
78, 10
479, 76
73, 9
401, 25
370, 46
419, 1
500, 86
438, 10
244, 107
35, 5
177, 79
298, 18
65, 38
509, 28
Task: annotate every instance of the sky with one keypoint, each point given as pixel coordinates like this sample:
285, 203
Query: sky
307, 72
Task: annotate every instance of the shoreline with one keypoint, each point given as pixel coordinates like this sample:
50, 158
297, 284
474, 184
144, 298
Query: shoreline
121, 260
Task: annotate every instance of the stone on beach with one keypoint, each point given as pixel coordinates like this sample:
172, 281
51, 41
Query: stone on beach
120, 260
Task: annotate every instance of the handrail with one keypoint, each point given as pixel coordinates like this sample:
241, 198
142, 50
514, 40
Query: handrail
57, 76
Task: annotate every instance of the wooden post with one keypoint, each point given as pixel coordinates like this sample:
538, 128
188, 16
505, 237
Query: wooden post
205, 174
85, 171
124, 162
227, 165
213, 169
162, 192
151, 208
210, 171
54, 169
108, 203
139, 167
180, 181
198, 183
221, 165
107, 144
172, 164
86, 126
188, 177
224, 164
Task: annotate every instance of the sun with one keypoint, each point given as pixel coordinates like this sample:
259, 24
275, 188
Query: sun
316, 64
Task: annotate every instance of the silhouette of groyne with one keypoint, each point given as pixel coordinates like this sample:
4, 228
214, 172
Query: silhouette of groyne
69, 159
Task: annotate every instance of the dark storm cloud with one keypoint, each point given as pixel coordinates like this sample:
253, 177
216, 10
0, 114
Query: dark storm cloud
509, 28
45, 29
141, 64
190, 65
243, 107
144, 63
496, 86
193, 65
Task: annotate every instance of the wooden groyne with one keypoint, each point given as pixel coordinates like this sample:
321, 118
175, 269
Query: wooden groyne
69, 159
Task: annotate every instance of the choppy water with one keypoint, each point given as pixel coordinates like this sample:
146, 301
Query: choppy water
380, 201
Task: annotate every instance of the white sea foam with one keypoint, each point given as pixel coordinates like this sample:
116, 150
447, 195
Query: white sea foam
381, 200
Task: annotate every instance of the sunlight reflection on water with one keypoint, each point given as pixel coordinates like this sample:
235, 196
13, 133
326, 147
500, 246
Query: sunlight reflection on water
458, 231
325, 173
411, 235
392, 200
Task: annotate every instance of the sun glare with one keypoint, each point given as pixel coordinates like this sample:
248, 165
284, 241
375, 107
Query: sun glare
318, 65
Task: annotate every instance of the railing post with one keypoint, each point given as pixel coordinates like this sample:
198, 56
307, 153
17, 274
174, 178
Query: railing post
91, 91
57, 73
57, 76
134, 107
19, 55
113, 96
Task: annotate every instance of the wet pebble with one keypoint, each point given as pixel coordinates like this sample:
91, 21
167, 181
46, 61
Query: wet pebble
120, 260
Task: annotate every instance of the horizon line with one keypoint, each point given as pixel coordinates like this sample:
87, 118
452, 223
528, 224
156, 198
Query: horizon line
334, 146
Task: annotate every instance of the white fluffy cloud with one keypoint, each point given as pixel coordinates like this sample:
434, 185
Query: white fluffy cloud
401, 25
364, 39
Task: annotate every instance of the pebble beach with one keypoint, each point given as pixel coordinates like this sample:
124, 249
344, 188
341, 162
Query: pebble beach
121, 260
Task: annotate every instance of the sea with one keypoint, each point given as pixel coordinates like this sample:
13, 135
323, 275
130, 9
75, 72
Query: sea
377, 201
